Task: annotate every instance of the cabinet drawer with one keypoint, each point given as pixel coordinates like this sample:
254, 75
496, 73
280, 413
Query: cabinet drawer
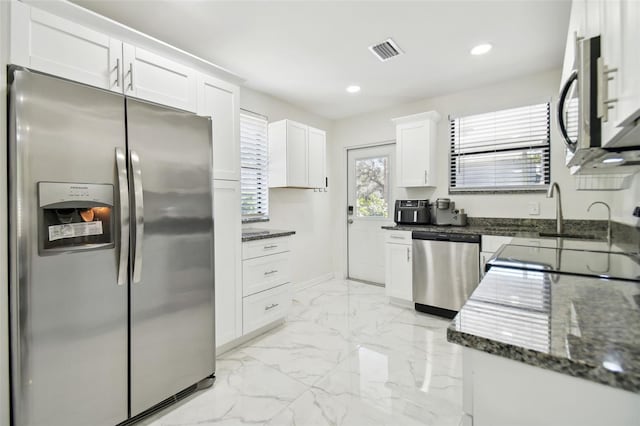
265, 247
398, 237
267, 306
262, 273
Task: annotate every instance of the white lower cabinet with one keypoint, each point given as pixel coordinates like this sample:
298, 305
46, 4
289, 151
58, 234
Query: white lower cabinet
490, 245
266, 282
399, 266
228, 246
265, 307
264, 273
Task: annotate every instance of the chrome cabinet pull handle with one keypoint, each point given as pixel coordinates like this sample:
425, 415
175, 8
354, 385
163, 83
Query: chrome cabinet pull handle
398, 237
425, 176
408, 256
271, 306
123, 190
130, 75
117, 68
273, 271
136, 175
604, 103
270, 246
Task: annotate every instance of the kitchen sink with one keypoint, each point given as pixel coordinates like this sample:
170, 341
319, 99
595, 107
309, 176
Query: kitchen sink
569, 236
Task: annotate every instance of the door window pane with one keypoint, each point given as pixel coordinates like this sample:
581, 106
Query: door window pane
372, 192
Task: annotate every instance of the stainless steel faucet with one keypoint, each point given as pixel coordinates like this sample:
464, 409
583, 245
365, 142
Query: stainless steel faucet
550, 193
608, 217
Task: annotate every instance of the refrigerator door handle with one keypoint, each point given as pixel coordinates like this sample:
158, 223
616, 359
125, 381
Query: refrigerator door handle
136, 176
123, 193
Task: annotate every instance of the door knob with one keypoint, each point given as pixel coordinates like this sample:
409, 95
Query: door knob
349, 221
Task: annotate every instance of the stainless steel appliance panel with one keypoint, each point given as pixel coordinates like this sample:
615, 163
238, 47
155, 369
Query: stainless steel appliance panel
445, 273
172, 282
68, 313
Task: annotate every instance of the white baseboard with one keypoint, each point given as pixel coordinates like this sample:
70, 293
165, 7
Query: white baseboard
243, 339
310, 283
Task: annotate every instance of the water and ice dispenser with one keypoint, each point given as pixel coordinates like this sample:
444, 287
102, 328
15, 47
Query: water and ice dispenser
75, 216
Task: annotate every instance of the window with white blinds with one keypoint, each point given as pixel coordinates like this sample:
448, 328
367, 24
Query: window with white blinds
506, 150
254, 166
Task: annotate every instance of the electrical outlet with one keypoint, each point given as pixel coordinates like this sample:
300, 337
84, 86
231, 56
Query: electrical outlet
534, 209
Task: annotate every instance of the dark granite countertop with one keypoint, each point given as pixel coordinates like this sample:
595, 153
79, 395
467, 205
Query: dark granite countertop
251, 234
625, 238
580, 326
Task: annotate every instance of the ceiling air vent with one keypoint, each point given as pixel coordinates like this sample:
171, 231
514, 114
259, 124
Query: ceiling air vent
386, 50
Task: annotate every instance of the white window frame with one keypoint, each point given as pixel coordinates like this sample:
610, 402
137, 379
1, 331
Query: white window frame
254, 166
485, 143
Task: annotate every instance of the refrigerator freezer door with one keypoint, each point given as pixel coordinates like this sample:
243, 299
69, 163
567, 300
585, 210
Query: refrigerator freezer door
172, 311
69, 315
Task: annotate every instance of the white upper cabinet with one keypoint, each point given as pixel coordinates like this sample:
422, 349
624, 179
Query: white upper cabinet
620, 34
219, 100
416, 149
617, 22
48, 43
317, 158
157, 79
297, 155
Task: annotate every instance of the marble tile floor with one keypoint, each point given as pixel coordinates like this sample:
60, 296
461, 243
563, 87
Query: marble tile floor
345, 356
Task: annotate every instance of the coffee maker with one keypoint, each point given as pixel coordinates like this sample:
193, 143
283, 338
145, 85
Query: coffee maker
444, 212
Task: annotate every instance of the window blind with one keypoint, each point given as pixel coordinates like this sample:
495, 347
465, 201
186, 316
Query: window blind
501, 151
254, 166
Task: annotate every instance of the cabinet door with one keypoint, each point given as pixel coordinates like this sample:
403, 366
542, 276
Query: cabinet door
219, 100
317, 158
228, 267
297, 154
413, 154
577, 28
47, 43
620, 35
398, 271
154, 78
484, 257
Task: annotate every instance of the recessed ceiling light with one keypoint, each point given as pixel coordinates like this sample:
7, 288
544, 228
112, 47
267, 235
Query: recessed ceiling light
353, 88
481, 49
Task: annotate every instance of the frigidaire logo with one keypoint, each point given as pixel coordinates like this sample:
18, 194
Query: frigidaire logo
79, 187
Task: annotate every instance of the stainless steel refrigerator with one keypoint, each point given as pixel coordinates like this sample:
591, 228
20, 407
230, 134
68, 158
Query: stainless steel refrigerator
111, 253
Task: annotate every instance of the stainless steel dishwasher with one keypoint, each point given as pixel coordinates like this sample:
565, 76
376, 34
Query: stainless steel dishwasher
445, 271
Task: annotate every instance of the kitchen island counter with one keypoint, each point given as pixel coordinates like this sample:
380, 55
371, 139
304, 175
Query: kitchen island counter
579, 326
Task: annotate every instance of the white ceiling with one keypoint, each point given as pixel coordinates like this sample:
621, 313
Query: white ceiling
307, 52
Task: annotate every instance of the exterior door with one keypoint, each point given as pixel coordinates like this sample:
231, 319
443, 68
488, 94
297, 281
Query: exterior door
172, 283
370, 196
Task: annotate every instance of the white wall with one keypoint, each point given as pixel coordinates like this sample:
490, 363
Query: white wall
377, 127
301, 210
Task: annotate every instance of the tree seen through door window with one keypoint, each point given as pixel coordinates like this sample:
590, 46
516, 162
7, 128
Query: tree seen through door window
372, 176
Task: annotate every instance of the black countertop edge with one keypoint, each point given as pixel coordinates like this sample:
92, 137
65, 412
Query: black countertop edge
480, 230
626, 381
271, 234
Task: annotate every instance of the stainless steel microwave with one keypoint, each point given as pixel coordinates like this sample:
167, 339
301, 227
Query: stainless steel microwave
583, 107
578, 118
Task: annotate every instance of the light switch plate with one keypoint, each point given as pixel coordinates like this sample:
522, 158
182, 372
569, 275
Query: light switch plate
534, 209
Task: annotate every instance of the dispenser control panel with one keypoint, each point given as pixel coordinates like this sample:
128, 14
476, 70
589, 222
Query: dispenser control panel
75, 216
